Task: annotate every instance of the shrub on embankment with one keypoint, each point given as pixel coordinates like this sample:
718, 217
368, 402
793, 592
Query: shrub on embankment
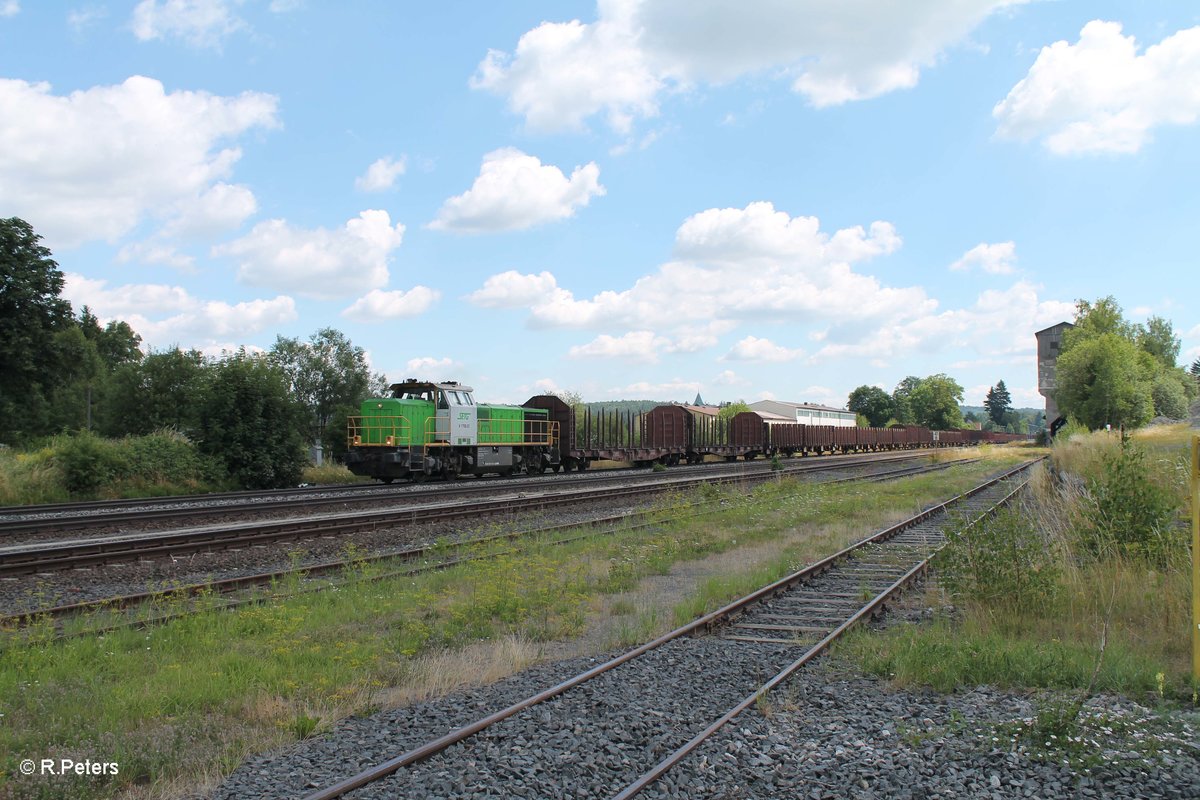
1084, 586
85, 466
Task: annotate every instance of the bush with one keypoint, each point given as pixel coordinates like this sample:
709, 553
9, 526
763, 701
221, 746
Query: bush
88, 463
1128, 510
164, 462
1004, 561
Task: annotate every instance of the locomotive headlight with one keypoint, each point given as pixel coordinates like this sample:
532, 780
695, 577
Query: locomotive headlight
358, 440
389, 440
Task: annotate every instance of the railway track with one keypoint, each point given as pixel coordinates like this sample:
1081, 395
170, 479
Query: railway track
49, 557
417, 559
40, 519
630, 720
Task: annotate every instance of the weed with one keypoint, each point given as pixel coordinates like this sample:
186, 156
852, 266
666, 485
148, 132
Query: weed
304, 726
764, 706
1004, 561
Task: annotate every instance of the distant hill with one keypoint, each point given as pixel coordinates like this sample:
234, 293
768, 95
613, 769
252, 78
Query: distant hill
636, 406
1024, 412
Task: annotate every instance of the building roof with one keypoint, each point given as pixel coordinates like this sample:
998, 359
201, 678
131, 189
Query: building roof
770, 417
1054, 327
810, 406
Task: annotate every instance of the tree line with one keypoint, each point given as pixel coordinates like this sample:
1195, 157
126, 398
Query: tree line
256, 413
932, 402
1114, 372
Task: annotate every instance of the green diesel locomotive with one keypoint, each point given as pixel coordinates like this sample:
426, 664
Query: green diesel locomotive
425, 429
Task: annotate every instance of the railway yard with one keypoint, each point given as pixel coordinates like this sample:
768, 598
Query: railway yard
661, 633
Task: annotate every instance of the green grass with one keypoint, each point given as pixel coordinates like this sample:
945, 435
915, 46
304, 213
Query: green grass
1121, 614
331, 474
184, 703
948, 655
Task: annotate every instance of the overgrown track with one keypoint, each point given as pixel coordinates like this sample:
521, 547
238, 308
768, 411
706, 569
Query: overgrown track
75, 554
626, 722
417, 559
37, 519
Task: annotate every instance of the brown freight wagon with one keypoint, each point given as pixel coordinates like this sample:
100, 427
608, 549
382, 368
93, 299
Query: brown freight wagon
818, 438
845, 438
872, 438
786, 437
749, 430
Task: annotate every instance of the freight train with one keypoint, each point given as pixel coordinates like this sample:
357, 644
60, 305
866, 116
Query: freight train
426, 429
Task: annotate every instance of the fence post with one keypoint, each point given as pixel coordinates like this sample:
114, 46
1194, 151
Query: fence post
1196, 560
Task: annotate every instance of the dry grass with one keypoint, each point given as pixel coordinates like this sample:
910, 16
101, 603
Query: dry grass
445, 671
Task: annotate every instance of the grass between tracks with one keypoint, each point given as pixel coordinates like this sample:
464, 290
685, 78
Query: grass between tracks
1085, 587
180, 705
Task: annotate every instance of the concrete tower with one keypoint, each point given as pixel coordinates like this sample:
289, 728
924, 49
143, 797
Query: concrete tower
1049, 343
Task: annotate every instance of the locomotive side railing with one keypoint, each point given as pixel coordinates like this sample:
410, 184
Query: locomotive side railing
377, 431
497, 432
518, 432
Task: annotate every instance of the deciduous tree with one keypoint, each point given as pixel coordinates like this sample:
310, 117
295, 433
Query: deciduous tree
252, 423
31, 313
329, 376
873, 403
935, 403
902, 400
1159, 340
1102, 381
163, 390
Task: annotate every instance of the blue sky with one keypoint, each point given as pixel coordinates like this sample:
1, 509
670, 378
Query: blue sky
628, 199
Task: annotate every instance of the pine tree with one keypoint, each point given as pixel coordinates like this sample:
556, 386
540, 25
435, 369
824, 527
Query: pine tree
1195, 370
998, 403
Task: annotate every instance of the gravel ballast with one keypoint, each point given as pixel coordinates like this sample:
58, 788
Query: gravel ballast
830, 733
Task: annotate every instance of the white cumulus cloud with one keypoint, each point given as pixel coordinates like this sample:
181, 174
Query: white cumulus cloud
635, 346
515, 191
10, 8
734, 264
1099, 95
996, 258
318, 262
1000, 324
425, 366
151, 252
511, 289
378, 305
382, 174
201, 23
93, 164
562, 73
168, 315
222, 207
754, 349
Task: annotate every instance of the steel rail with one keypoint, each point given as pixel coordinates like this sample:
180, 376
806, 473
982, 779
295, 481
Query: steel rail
234, 584
703, 623
865, 612
18, 520
57, 556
